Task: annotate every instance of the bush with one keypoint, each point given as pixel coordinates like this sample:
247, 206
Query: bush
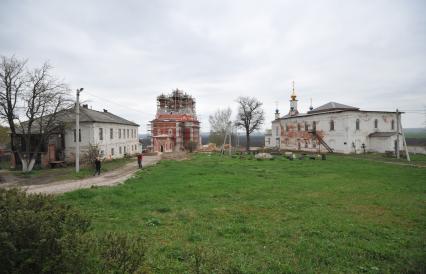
39, 235
205, 260
120, 253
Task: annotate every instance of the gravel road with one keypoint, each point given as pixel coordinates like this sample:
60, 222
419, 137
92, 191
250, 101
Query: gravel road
112, 178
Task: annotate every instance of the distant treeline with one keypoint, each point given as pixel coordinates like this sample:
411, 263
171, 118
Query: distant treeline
415, 136
256, 140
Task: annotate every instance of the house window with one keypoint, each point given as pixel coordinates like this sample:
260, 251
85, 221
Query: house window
102, 153
393, 124
314, 125
331, 125
286, 127
170, 131
101, 133
119, 133
112, 151
314, 144
119, 150
306, 126
79, 135
128, 136
298, 127
111, 133
376, 123
124, 150
357, 124
276, 131
306, 144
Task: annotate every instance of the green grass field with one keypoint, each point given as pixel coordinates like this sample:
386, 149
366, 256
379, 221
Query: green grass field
277, 216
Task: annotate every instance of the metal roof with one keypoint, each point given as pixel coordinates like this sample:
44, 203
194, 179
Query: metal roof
94, 116
332, 106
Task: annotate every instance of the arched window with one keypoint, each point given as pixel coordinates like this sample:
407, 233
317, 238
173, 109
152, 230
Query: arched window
376, 123
393, 125
314, 125
357, 124
331, 125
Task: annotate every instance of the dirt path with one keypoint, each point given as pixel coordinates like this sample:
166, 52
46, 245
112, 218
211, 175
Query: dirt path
114, 177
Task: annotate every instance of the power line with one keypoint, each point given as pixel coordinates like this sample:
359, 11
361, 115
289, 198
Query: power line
120, 105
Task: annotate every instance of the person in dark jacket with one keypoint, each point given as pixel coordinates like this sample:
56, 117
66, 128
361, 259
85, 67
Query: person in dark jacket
140, 160
97, 166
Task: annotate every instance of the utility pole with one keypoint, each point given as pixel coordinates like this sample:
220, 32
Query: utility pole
238, 141
397, 133
407, 155
77, 131
230, 140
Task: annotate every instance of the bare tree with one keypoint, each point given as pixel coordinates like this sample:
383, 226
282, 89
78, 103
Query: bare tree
32, 103
12, 82
250, 116
220, 123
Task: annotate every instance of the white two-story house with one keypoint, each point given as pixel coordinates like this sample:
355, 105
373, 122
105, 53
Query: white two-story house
114, 136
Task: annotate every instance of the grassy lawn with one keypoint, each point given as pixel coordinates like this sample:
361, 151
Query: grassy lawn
67, 173
248, 216
415, 159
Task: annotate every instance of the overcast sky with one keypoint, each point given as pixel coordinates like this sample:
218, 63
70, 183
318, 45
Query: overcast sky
368, 54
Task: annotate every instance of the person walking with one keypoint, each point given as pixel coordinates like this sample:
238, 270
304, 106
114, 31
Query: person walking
97, 166
140, 160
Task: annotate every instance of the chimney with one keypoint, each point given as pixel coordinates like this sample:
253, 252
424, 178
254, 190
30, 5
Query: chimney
85, 106
105, 110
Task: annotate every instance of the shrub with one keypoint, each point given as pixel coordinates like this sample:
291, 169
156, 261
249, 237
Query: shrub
121, 253
88, 158
205, 260
39, 235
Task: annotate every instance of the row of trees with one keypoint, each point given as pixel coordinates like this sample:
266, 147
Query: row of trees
30, 99
250, 117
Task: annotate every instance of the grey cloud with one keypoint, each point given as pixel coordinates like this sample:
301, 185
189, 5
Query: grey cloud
369, 54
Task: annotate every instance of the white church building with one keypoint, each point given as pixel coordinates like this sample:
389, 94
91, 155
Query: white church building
333, 127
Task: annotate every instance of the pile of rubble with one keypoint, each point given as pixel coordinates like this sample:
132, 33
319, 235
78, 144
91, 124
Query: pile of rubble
179, 156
